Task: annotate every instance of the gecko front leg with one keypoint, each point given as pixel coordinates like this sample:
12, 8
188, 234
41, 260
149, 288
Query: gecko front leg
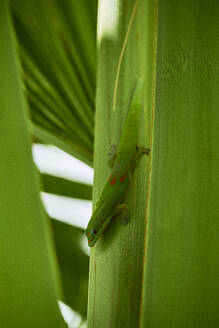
112, 155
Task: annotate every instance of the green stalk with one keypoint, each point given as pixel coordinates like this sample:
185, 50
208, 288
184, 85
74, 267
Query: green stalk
117, 259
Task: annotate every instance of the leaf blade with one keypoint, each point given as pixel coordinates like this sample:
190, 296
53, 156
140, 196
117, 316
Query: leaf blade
27, 275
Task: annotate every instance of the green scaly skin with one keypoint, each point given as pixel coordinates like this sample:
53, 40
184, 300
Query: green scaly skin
127, 158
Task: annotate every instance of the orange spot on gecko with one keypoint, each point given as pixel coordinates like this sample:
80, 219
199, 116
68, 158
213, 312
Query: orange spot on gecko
109, 177
88, 234
122, 179
112, 181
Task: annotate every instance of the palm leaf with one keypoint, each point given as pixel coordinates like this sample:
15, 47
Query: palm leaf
58, 57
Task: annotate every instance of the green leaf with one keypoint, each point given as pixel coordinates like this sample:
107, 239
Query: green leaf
73, 265
28, 279
182, 262
63, 187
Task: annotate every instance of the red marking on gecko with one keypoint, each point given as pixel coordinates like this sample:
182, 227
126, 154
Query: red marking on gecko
122, 179
112, 181
88, 234
109, 177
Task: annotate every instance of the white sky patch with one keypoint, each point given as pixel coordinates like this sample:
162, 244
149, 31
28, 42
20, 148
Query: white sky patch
54, 161
84, 245
72, 318
76, 212
108, 16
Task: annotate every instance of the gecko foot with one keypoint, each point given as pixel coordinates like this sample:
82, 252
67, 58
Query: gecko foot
126, 218
124, 211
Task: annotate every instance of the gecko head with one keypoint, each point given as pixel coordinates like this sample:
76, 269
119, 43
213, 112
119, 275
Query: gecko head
92, 236
93, 232
95, 228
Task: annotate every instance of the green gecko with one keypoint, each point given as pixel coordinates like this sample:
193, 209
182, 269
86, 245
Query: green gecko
123, 162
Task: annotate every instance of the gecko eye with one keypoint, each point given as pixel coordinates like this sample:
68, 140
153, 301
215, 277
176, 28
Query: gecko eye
93, 231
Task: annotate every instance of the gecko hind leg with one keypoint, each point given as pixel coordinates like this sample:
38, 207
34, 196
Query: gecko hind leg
140, 151
112, 155
124, 211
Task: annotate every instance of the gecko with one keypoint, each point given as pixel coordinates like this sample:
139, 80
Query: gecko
123, 161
